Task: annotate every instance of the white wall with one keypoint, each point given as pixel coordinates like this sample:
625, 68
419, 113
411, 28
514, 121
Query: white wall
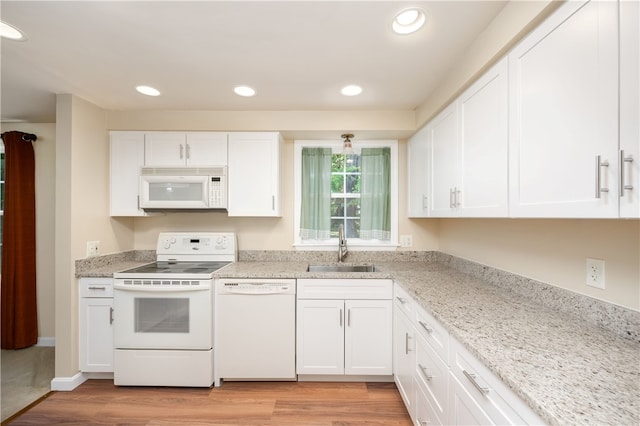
44, 150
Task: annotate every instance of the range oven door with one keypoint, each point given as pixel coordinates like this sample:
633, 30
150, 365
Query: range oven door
163, 317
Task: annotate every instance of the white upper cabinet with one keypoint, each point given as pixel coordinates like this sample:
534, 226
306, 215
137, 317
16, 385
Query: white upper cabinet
443, 162
468, 154
629, 159
126, 158
482, 187
254, 174
563, 123
417, 174
179, 149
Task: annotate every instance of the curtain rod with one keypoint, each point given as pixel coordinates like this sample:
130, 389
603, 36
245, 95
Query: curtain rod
27, 137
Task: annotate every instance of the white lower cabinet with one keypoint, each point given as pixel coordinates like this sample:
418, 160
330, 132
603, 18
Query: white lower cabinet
404, 358
440, 382
341, 329
95, 325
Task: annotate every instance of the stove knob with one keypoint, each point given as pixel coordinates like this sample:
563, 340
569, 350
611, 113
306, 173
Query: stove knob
173, 240
167, 244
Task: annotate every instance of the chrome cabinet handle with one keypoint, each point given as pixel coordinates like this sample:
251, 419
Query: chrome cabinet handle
451, 196
623, 160
94, 287
348, 317
401, 299
424, 202
406, 343
456, 203
181, 152
424, 372
111, 315
340, 317
422, 422
188, 151
426, 327
599, 165
273, 202
472, 378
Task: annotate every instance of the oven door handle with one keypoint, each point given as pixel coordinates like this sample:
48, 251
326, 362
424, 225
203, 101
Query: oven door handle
161, 289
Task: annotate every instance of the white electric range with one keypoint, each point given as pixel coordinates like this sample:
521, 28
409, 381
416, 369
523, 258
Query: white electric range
163, 312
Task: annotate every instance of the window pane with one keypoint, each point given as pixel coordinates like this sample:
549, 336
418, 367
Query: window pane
353, 207
353, 184
337, 184
335, 226
337, 207
337, 163
352, 163
353, 228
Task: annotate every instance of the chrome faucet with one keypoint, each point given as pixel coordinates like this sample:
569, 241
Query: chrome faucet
342, 245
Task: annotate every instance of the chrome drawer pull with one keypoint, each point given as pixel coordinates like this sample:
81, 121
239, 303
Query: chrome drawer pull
424, 372
406, 343
426, 327
422, 422
110, 315
92, 287
401, 299
599, 165
472, 378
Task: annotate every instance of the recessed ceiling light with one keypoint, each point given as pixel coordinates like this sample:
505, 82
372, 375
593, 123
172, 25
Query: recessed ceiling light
148, 90
244, 91
409, 21
10, 32
351, 90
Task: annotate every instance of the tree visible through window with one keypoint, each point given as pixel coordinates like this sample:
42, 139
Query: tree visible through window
345, 194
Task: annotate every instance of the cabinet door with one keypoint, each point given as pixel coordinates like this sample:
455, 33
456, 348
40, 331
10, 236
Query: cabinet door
368, 337
629, 109
564, 115
432, 379
126, 158
320, 336
404, 358
96, 334
206, 149
483, 146
165, 149
443, 162
417, 174
254, 174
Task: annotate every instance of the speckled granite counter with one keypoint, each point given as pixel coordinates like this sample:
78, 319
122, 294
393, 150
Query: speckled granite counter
566, 366
569, 371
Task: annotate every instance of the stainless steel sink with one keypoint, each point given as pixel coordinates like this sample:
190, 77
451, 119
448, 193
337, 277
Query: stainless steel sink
341, 268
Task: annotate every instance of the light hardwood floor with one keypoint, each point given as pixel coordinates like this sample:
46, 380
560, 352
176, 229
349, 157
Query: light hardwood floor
234, 403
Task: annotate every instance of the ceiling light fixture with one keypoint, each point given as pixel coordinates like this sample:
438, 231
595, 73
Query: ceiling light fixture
148, 90
10, 32
244, 91
409, 21
347, 147
351, 90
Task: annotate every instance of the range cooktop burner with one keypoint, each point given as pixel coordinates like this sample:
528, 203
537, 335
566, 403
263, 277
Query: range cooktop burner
177, 267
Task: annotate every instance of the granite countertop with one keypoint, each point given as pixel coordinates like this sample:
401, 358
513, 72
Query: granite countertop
567, 370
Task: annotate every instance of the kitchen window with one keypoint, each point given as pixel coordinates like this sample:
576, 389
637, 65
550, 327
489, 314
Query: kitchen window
357, 191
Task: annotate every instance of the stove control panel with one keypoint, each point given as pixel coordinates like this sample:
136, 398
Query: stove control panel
196, 243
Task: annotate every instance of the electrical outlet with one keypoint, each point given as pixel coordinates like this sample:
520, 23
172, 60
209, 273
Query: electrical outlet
595, 273
406, 241
93, 248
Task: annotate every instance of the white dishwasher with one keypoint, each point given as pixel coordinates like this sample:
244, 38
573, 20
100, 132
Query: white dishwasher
255, 330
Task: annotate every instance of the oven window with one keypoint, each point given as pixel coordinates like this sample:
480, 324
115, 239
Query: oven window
161, 315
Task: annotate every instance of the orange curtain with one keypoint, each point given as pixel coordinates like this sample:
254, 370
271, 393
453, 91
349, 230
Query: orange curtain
18, 285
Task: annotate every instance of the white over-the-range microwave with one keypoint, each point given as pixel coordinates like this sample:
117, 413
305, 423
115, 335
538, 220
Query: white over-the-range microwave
183, 188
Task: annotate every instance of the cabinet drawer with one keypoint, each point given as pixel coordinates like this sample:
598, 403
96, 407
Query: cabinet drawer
361, 289
425, 413
432, 375
434, 334
495, 399
96, 287
403, 301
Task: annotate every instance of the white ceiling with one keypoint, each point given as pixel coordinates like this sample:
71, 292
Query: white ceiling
296, 54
